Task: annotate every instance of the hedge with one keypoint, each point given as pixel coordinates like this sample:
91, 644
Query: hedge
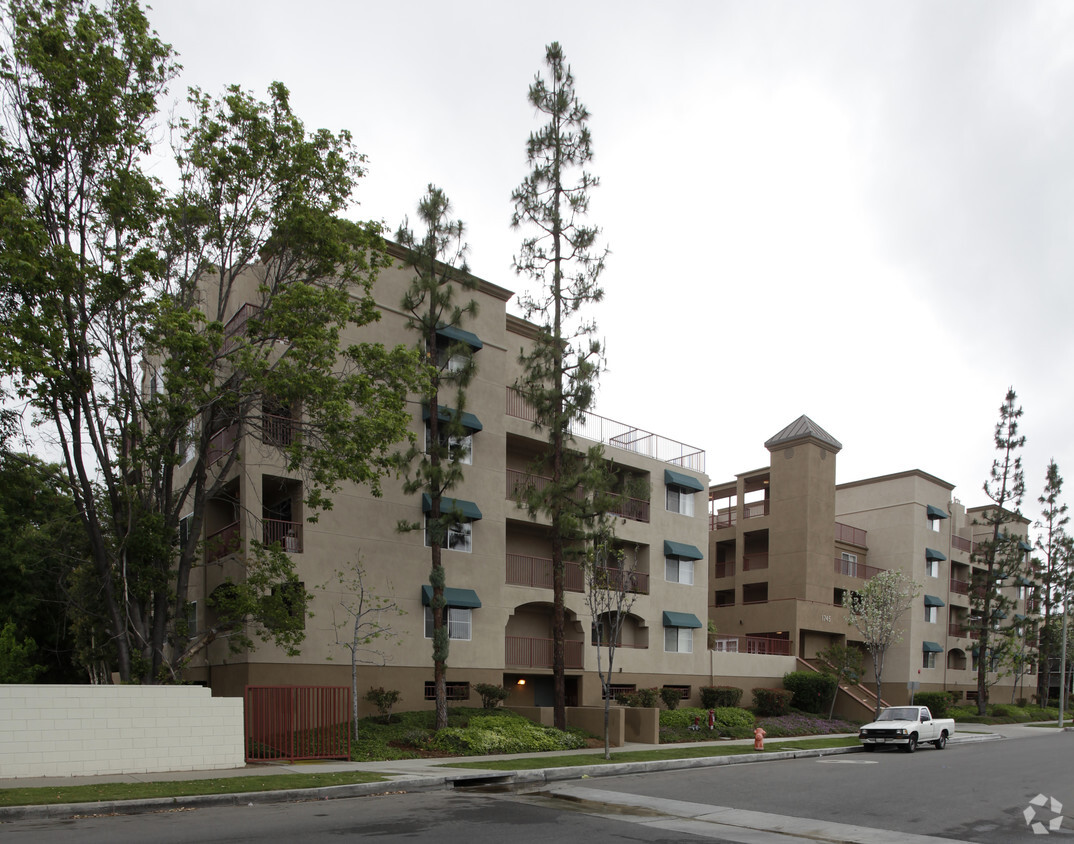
730, 720
772, 701
937, 702
812, 691
713, 697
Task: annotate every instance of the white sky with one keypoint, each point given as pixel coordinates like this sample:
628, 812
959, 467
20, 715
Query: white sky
857, 211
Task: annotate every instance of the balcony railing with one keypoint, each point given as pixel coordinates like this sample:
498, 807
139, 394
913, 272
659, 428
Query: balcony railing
277, 430
537, 571
518, 483
729, 517
960, 587
957, 630
530, 652
236, 326
855, 569
287, 534
962, 544
627, 581
725, 569
754, 562
762, 645
222, 443
851, 535
619, 435
220, 543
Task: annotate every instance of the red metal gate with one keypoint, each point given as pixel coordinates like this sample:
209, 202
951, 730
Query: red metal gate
297, 722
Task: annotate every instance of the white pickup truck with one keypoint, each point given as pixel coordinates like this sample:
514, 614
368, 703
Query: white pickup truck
906, 726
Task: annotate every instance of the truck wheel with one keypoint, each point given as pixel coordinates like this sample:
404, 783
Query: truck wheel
941, 742
911, 743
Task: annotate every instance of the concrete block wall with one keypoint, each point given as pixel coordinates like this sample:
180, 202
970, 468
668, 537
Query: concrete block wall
68, 730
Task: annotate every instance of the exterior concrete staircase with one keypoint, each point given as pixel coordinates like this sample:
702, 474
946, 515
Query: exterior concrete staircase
852, 701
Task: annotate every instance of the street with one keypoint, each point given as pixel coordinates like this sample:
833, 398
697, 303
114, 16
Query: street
971, 792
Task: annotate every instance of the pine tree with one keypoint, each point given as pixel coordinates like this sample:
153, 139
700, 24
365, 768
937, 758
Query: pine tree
1000, 558
1054, 572
561, 367
434, 467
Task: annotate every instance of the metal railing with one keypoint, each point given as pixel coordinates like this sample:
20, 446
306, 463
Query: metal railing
532, 652
962, 544
856, 569
236, 326
287, 534
761, 645
726, 569
519, 482
220, 543
960, 587
727, 518
277, 430
851, 535
222, 443
297, 722
594, 427
957, 630
523, 570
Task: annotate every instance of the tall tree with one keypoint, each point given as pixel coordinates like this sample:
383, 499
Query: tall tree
610, 592
120, 298
435, 467
1001, 557
560, 369
875, 611
1054, 571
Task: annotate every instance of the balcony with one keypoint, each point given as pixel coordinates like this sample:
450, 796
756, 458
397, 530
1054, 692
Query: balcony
960, 587
530, 652
761, 645
961, 544
288, 535
222, 443
852, 568
618, 435
220, 543
537, 571
729, 517
518, 483
725, 569
957, 630
850, 535
755, 562
277, 430
236, 326
625, 581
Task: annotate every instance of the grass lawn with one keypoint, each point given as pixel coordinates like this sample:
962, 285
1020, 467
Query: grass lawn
670, 752
187, 788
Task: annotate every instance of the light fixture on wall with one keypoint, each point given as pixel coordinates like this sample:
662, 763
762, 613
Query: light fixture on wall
521, 681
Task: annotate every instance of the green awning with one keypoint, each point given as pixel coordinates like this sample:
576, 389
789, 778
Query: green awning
462, 598
933, 601
465, 509
1023, 581
680, 619
1024, 546
685, 481
935, 512
452, 332
681, 549
446, 414
931, 648
933, 554
1019, 617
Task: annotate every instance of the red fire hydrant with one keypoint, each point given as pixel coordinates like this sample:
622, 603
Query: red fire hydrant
712, 719
758, 738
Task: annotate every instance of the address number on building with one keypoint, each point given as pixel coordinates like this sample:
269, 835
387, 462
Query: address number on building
827, 618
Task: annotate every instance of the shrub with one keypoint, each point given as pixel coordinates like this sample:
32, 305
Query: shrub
772, 701
646, 698
937, 702
729, 721
811, 691
383, 699
491, 694
671, 697
713, 697
502, 733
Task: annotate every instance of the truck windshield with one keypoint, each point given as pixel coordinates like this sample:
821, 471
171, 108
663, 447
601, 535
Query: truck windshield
899, 713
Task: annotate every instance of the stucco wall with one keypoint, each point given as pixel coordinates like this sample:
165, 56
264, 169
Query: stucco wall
68, 730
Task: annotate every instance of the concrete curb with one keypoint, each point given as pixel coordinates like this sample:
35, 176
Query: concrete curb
469, 778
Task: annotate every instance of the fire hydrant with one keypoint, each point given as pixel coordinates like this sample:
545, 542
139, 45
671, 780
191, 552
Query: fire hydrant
758, 738
712, 719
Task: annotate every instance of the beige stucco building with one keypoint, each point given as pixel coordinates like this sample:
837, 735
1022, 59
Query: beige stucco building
788, 544
498, 573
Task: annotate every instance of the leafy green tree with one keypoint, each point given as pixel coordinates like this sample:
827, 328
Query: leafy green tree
434, 468
560, 368
1001, 557
18, 658
875, 612
1054, 571
845, 664
118, 301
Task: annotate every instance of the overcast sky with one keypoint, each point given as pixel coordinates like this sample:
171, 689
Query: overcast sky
860, 211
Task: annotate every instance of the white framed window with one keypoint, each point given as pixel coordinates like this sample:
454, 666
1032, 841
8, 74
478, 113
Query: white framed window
928, 658
461, 449
680, 500
678, 570
678, 640
459, 536
931, 614
459, 623
932, 568
188, 443
934, 525
1021, 593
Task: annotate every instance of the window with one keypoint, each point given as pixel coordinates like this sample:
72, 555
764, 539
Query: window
184, 529
617, 689
460, 449
848, 564
455, 691
839, 598
931, 615
678, 570
934, 525
678, 640
680, 500
459, 536
1021, 593
684, 691
928, 659
458, 623
188, 442
932, 568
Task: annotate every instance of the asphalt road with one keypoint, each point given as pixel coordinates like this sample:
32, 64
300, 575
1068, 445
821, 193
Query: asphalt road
971, 792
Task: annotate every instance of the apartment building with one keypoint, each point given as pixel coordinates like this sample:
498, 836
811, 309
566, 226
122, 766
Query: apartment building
499, 586
787, 546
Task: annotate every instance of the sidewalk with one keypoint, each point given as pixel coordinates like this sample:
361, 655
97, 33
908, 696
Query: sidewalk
414, 775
